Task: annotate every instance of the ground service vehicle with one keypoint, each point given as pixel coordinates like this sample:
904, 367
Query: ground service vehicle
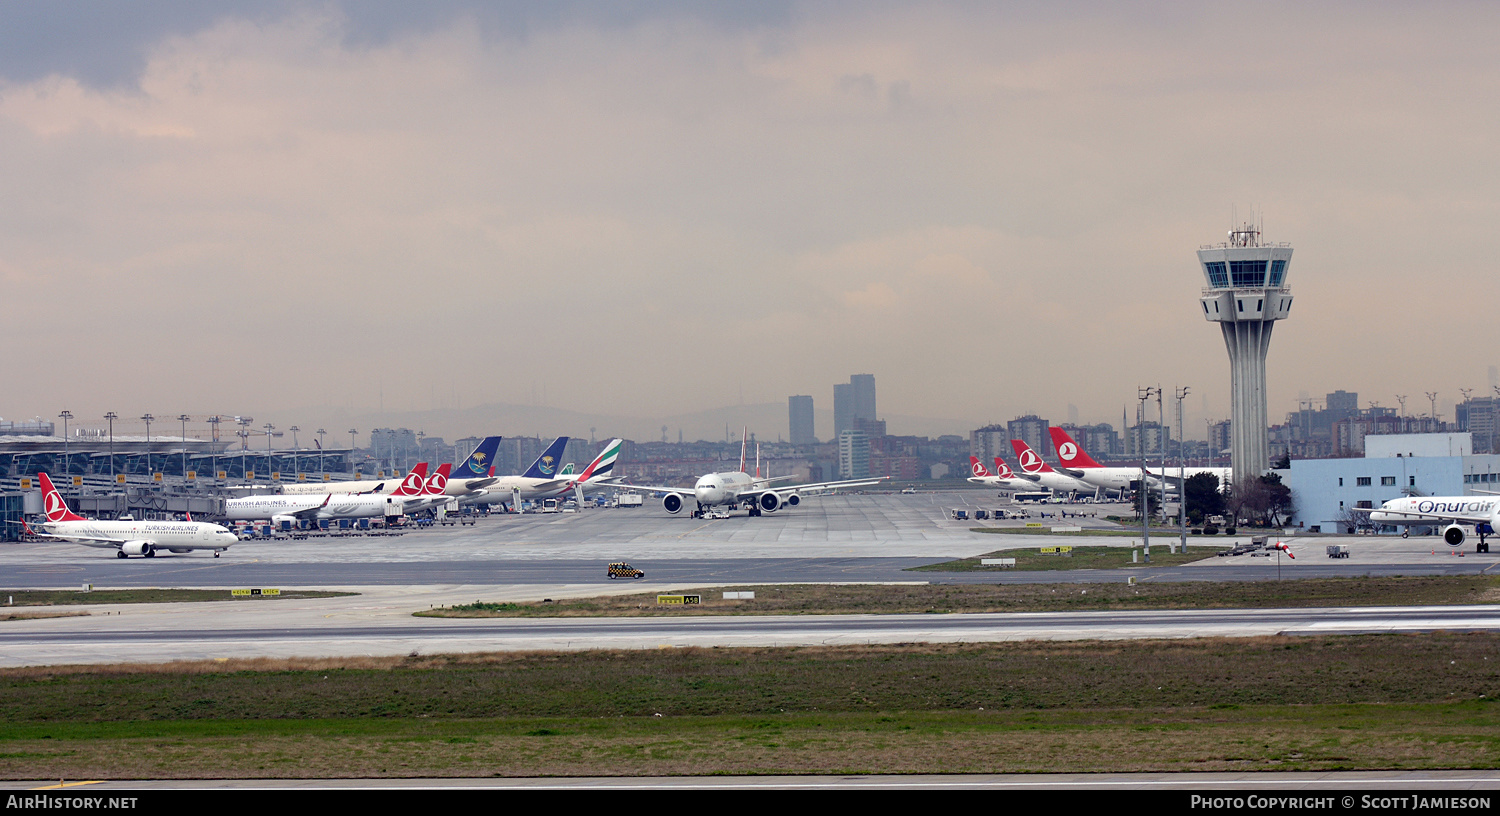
620, 569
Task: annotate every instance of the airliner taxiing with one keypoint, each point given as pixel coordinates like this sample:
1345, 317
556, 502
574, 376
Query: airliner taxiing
128, 537
1430, 511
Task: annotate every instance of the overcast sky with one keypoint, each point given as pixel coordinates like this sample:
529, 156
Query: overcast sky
650, 209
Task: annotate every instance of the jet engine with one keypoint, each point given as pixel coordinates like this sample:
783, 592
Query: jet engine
672, 503
792, 499
283, 521
138, 548
769, 501
1454, 535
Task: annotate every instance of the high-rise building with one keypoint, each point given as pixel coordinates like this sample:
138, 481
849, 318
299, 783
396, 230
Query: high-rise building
1033, 430
800, 419
1246, 295
854, 455
853, 400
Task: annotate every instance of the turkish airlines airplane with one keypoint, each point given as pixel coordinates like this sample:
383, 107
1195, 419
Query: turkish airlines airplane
1005, 478
1077, 463
736, 488
292, 508
1032, 465
469, 476
126, 536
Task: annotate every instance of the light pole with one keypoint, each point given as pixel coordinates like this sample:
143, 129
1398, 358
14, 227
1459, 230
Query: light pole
322, 472
294, 429
352, 432
67, 463
244, 443
268, 429
1161, 435
183, 418
111, 416
1181, 394
1143, 394
147, 418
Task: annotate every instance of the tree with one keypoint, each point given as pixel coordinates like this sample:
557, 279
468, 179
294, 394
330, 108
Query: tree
1264, 500
1201, 494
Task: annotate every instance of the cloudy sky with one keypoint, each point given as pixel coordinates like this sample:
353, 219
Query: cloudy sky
649, 209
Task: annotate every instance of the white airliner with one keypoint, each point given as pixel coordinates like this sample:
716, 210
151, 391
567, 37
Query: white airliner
1077, 463
129, 537
408, 498
1032, 465
736, 488
1005, 478
1482, 512
468, 477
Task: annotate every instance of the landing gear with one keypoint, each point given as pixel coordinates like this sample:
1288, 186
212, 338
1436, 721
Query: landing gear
216, 553
1406, 534
1483, 546
698, 514
150, 552
121, 554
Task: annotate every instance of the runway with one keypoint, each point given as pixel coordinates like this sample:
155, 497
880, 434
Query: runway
836, 539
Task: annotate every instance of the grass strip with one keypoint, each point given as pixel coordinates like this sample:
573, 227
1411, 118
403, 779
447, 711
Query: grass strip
65, 597
849, 599
1307, 703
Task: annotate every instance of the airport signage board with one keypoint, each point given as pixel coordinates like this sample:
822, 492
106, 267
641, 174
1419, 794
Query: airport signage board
223, 474
192, 475
275, 475
329, 478
679, 600
357, 476
26, 483
156, 477
119, 478
250, 476
301, 477
250, 593
78, 481
1057, 551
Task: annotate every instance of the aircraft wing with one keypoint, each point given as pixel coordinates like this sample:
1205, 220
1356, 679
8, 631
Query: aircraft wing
308, 512
479, 484
100, 539
681, 491
816, 487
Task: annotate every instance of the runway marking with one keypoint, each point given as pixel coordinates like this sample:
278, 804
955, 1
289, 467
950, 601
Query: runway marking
61, 784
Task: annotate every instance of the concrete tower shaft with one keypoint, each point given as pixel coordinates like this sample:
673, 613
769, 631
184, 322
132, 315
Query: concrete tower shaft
1246, 295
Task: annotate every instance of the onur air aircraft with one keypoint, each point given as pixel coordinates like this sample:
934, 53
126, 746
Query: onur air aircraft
736, 488
1077, 463
1032, 465
1006, 479
129, 537
1429, 511
469, 476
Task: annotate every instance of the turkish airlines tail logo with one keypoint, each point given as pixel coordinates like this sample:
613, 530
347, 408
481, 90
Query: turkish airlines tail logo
977, 467
1068, 451
438, 484
413, 483
1003, 469
52, 502
1030, 461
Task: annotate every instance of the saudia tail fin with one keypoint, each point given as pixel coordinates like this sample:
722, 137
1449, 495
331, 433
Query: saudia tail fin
477, 466
604, 463
437, 483
53, 504
545, 466
1031, 461
1068, 451
977, 467
414, 482
744, 438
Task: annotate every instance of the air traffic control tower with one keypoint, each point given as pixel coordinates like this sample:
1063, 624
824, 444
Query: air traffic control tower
1246, 295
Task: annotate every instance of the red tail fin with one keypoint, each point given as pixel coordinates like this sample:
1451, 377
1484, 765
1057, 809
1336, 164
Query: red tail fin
53, 504
1031, 461
437, 484
414, 482
977, 467
1003, 470
1068, 451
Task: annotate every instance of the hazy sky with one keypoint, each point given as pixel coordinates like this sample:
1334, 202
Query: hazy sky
650, 209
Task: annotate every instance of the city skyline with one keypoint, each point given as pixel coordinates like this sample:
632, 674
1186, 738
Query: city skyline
312, 211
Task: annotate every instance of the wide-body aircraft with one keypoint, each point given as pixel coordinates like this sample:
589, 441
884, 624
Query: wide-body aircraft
468, 476
1077, 463
128, 537
1032, 465
1003, 478
736, 488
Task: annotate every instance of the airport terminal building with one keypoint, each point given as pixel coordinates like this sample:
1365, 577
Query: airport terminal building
1324, 491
